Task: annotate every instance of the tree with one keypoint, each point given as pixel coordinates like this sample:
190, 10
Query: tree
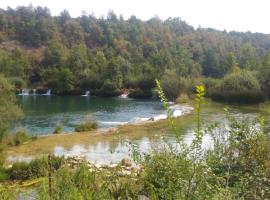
10, 112
265, 75
55, 54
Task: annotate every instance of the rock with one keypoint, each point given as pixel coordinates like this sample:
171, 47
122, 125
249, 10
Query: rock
128, 168
97, 165
124, 173
112, 165
126, 162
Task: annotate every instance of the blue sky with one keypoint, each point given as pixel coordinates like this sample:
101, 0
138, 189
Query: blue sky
239, 15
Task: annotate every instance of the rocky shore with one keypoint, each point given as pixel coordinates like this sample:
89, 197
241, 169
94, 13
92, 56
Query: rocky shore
125, 168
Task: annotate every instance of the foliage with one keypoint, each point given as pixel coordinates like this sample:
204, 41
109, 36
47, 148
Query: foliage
240, 86
9, 111
34, 169
83, 184
235, 167
109, 53
88, 125
21, 137
182, 98
58, 129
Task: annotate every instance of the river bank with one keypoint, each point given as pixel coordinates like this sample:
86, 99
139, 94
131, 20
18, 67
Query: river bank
111, 136
110, 145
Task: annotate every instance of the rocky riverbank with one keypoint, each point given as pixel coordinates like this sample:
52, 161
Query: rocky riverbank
125, 168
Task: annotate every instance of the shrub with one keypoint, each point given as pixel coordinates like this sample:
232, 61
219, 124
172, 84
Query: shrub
3, 174
21, 137
182, 98
18, 82
58, 129
240, 86
86, 126
140, 94
174, 85
34, 169
20, 171
109, 88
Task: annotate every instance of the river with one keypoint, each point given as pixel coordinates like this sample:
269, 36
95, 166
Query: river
44, 113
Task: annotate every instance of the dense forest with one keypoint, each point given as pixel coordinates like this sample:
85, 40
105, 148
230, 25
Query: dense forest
110, 54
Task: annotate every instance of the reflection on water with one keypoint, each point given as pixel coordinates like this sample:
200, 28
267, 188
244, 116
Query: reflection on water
103, 152
117, 110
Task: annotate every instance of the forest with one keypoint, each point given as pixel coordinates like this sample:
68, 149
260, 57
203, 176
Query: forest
110, 54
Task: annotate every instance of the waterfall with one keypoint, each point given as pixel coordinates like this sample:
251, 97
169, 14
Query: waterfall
48, 93
34, 92
87, 93
25, 92
123, 96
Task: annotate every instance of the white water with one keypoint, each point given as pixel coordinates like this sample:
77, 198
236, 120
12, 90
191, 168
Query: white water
87, 93
177, 110
25, 92
48, 93
123, 96
34, 92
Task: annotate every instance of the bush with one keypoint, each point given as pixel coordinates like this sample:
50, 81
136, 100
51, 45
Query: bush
18, 82
3, 174
109, 88
174, 85
240, 87
86, 126
21, 137
140, 94
19, 171
34, 169
182, 98
58, 129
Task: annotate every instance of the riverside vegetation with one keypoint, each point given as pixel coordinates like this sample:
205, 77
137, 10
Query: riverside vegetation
110, 54
235, 166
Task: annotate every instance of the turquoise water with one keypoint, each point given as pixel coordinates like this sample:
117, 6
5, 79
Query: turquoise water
44, 113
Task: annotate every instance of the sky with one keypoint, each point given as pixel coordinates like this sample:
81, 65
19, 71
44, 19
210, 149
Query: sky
238, 15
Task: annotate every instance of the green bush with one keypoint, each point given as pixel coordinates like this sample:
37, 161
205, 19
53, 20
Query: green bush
58, 129
83, 184
34, 169
140, 94
109, 88
182, 98
20, 171
18, 82
3, 174
240, 86
21, 137
86, 126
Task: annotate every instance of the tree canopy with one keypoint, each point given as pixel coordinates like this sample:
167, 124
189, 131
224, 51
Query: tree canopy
93, 53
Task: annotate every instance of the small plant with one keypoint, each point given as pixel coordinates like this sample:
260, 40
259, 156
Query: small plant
88, 125
21, 137
58, 129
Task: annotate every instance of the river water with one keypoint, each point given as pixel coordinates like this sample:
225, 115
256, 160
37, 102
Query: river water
44, 113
